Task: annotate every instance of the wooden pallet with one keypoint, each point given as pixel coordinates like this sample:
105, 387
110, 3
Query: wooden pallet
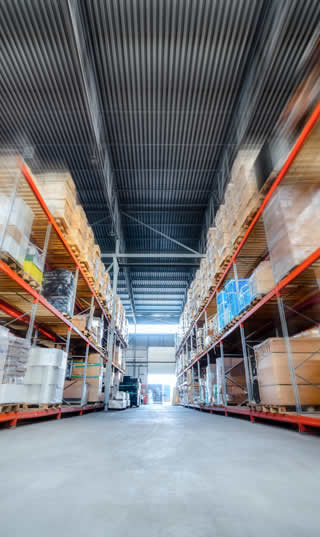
42, 406
4, 409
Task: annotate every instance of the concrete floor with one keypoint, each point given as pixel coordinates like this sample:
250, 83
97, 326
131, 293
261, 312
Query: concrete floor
158, 472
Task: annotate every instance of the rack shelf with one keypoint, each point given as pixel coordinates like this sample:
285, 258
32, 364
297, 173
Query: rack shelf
21, 296
304, 422
253, 247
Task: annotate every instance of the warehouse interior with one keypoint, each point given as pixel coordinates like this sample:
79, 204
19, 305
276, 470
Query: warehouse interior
159, 267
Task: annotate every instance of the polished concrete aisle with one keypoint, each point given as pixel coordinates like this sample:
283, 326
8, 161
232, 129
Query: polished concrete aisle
158, 472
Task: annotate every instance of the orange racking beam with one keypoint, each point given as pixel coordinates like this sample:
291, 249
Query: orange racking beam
306, 131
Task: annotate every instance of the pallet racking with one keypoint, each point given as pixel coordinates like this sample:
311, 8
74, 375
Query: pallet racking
291, 305
34, 317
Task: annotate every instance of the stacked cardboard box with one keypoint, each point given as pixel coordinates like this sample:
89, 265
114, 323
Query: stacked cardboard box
223, 236
292, 225
59, 192
211, 256
94, 378
245, 197
274, 374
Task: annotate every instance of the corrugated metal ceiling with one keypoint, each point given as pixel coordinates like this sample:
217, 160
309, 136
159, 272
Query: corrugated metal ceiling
173, 80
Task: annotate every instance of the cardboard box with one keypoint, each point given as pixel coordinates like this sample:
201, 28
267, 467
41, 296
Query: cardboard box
274, 374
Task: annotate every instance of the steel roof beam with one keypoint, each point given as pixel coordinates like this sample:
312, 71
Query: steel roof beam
161, 255
95, 115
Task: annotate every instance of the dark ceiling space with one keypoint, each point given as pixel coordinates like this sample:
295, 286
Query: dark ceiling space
146, 103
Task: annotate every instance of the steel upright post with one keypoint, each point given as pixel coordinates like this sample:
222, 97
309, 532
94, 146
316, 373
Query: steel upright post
192, 384
107, 377
206, 323
246, 363
285, 334
223, 374
84, 376
75, 285
198, 363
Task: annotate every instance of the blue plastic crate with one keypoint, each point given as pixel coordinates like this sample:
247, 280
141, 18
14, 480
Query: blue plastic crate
244, 298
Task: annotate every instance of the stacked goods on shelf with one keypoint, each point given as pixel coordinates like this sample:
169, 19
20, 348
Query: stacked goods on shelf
235, 380
15, 228
94, 379
44, 378
292, 225
59, 192
211, 257
33, 263
14, 355
228, 303
211, 384
200, 340
260, 282
244, 191
80, 321
274, 375
58, 290
204, 279
222, 237
97, 329
118, 358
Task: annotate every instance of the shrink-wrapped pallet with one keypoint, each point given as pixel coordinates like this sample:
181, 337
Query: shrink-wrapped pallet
261, 281
73, 390
77, 232
222, 238
235, 379
59, 192
273, 370
33, 263
204, 287
14, 355
94, 376
45, 376
245, 191
97, 329
211, 382
58, 289
292, 225
211, 256
15, 228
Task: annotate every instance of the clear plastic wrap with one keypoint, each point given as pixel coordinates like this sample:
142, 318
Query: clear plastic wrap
292, 225
58, 287
261, 281
45, 376
211, 256
15, 227
15, 364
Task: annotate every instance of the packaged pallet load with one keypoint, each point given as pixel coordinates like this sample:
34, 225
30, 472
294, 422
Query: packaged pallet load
236, 387
230, 209
16, 220
261, 281
219, 394
222, 237
245, 191
33, 262
211, 256
14, 355
97, 329
45, 376
292, 225
94, 377
59, 192
119, 401
77, 233
80, 321
58, 289
274, 374
204, 280
72, 392
211, 382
